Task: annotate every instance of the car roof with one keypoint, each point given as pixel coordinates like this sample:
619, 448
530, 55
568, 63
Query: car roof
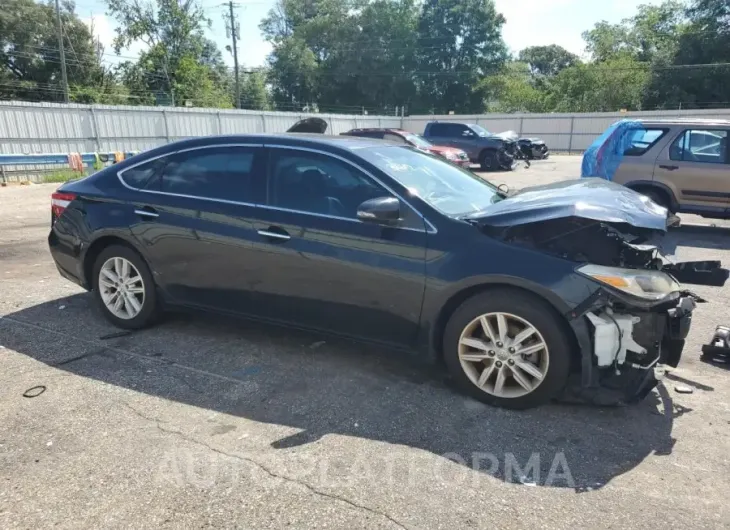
451, 122
684, 121
350, 143
379, 129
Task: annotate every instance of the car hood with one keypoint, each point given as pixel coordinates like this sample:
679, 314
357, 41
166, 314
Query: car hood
309, 125
443, 150
593, 221
594, 199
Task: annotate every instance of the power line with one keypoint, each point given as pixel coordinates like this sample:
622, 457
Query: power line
61, 52
234, 29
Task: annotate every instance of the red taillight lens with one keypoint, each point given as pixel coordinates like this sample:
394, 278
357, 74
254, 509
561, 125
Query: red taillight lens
59, 202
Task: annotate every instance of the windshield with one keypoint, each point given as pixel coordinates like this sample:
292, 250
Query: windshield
448, 188
418, 141
481, 131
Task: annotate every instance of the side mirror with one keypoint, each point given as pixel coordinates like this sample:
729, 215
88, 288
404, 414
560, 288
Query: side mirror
381, 210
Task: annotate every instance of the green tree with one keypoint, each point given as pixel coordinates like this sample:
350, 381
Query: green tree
608, 86
30, 66
651, 34
547, 61
180, 63
254, 92
704, 39
460, 42
513, 90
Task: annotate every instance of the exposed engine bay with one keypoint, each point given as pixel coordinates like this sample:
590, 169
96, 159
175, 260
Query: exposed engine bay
589, 241
628, 333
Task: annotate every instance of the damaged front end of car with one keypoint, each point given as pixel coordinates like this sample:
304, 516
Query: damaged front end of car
634, 319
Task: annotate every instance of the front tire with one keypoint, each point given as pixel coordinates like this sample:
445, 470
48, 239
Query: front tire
659, 198
507, 348
124, 288
488, 160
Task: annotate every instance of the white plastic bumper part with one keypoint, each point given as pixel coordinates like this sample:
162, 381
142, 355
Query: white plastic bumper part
613, 337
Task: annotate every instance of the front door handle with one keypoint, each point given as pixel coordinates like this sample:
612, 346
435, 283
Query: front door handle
147, 212
668, 168
274, 232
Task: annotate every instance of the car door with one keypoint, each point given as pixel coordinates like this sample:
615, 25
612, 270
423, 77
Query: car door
695, 165
195, 223
462, 137
439, 134
321, 267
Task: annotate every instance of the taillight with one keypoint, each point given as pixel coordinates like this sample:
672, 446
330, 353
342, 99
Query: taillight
59, 202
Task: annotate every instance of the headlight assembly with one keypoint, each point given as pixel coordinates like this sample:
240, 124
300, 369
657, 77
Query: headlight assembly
647, 284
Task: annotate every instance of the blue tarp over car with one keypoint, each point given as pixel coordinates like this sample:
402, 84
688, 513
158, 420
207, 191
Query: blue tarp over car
604, 155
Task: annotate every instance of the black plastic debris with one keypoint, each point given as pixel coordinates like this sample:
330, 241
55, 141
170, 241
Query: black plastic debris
718, 350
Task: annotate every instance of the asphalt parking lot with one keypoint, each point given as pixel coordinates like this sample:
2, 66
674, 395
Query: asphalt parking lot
209, 422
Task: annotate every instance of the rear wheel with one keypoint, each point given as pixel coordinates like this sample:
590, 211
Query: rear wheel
124, 288
507, 348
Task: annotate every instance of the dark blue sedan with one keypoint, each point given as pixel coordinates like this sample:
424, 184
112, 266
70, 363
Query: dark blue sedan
523, 297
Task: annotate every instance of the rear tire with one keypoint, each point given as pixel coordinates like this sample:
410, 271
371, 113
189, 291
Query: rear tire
124, 288
528, 380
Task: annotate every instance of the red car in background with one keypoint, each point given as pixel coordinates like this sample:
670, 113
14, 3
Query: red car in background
452, 154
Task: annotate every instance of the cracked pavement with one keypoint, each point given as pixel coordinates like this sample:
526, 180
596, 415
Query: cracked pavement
206, 421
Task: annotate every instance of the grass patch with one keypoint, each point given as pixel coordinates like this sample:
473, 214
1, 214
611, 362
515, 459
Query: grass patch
62, 175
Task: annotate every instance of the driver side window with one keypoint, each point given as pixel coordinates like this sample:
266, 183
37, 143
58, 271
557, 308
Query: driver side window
707, 145
318, 184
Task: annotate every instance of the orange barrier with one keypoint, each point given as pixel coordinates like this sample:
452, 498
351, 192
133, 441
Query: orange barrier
75, 162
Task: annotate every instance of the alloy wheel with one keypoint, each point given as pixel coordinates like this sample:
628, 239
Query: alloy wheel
503, 355
121, 288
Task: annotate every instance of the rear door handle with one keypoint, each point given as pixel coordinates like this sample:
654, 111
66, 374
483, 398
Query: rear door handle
274, 232
669, 168
147, 212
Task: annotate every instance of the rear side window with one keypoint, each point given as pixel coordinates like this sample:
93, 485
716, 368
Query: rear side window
700, 145
439, 129
216, 173
397, 138
642, 140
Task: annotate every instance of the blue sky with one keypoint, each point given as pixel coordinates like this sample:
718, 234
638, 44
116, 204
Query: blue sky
529, 23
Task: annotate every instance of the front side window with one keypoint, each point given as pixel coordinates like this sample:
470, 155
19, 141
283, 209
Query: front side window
319, 184
446, 187
223, 173
458, 130
481, 131
700, 145
140, 176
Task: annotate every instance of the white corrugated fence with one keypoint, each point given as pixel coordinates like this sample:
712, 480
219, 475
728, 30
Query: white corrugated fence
27, 128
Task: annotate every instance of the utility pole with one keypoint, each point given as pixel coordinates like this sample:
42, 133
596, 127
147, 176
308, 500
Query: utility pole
233, 28
64, 79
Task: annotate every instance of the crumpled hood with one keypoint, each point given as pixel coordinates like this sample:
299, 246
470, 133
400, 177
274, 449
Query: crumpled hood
595, 199
510, 136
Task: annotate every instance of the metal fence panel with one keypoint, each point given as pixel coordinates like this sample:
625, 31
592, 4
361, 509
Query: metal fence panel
53, 128
562, 132
27, 128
